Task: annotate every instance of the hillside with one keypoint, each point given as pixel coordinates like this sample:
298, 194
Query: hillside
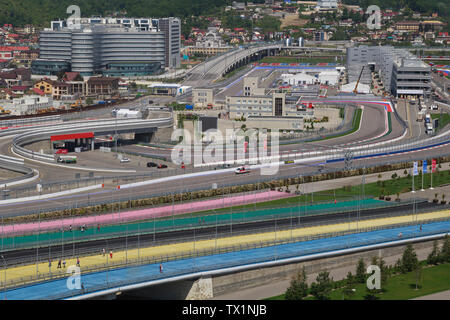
41, 12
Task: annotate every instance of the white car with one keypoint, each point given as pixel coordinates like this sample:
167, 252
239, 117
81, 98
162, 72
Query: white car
242, 170
123, 160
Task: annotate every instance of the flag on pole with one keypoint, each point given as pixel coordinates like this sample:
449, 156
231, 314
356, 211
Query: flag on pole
415, 170
424, 169
433, 165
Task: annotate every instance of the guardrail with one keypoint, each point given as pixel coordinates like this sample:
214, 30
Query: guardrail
95, 126
24, 121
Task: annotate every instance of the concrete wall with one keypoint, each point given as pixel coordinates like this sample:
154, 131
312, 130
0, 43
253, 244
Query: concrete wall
230, 286
162, 135
337, 266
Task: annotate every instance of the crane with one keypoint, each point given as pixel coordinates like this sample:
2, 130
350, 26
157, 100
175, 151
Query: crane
357, 82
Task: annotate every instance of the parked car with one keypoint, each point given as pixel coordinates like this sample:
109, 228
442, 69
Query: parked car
162, 166
151, 164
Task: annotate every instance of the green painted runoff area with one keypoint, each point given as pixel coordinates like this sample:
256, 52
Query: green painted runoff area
186, 222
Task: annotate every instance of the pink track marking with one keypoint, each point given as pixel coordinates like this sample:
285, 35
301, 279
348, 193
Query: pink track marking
126, 216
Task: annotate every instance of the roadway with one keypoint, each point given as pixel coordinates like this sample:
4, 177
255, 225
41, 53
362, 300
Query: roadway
185, 184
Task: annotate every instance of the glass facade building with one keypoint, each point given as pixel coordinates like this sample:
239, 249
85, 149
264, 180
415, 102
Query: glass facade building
49, 67
130, 69
97, 45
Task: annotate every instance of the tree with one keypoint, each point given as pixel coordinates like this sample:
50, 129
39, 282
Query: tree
269, 24
349, 289
433, 257
322, 289
445, 250
384, 270
298, 288
409, 260
371, 295
361, 271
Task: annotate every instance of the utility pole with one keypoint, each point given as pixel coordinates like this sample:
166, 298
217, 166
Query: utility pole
4, 280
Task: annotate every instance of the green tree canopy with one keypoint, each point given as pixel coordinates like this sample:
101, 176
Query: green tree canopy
409, 260
298, 288
321, 289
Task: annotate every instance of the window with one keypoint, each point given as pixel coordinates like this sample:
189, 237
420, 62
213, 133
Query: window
278, 107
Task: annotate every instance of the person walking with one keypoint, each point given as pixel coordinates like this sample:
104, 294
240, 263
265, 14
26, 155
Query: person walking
110, 254
420, 227
59, 264
70, 228
98, 228
78, 262
64, 263
160, 268
103, 251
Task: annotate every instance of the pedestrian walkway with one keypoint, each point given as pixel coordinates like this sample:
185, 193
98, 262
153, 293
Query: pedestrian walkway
28, 272
150, 213
95, 282
176, 223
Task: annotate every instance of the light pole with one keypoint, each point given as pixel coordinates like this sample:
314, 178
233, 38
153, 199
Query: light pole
4, 281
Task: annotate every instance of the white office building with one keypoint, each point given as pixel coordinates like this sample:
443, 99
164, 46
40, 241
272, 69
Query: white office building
93, 44
28, 105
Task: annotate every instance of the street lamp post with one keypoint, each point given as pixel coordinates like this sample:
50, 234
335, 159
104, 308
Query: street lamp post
4, 280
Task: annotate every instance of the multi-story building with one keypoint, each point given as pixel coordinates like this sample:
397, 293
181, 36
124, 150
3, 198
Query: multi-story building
402, 73
95, 45
327, 5
202, 96
56, 89
408, 26
28, 105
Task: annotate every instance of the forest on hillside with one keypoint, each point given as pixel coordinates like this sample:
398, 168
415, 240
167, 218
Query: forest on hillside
41, 12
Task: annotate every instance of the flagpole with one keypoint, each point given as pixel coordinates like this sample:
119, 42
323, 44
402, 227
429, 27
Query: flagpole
423, 172
432, 170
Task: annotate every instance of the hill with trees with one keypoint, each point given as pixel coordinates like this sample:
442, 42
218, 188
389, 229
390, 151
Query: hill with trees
41, 12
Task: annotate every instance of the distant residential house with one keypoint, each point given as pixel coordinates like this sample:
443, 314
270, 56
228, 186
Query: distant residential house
72, 76
19, 90
408, 26
56, 89
7, 94
442, 38
16, 77
432, 25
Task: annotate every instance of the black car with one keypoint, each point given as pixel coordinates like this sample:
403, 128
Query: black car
151, 164
162, 166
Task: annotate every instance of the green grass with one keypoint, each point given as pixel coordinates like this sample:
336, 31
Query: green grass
355, 127
232, 73
431, 279
439, 62
442, 122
